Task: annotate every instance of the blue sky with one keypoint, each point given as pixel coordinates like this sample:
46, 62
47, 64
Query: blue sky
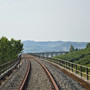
45, 20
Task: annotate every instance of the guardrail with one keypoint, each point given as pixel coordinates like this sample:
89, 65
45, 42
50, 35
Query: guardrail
81, 70
9, 65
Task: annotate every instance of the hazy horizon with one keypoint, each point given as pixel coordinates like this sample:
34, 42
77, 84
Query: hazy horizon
52, 41
45, 20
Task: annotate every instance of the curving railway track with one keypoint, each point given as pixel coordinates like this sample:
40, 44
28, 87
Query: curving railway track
40, 78
36, 74
32, 75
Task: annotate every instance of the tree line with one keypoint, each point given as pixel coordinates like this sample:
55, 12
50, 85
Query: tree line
77, 56
9, 49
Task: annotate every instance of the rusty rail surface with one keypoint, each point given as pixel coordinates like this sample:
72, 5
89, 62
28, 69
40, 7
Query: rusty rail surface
24, 80
48, 73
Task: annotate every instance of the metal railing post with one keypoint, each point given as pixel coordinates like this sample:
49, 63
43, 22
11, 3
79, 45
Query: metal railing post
0, 70
76, 68
72, 67
69, 66
87, 73
64, 64
60, 62
81, 71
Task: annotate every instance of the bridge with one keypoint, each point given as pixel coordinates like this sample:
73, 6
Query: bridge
32, 72
49, 54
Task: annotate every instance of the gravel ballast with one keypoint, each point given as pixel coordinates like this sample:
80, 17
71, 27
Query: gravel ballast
38, 78
64, 82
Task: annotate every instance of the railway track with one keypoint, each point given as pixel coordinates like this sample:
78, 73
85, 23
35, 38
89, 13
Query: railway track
49, 74
27, 84
40, 78
37, 74
32, 75
64, 81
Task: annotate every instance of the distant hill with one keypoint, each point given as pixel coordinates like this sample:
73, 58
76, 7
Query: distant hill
49, 46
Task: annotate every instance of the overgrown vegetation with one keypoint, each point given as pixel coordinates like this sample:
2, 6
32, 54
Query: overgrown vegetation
9, 49
79, 56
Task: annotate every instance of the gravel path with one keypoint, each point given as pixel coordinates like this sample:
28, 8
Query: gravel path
13, 82
63, 81
38, 78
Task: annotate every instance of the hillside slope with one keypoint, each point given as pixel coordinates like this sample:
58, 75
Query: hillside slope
80, 57
49, 46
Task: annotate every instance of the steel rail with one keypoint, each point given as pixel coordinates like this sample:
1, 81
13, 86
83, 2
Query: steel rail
48, 73
24, 80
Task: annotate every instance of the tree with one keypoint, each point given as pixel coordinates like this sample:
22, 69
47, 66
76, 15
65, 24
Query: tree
76, 49
72, 48
88, 45
9, 49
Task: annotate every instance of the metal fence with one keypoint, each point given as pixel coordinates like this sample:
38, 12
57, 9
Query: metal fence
81, 70
6, 66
